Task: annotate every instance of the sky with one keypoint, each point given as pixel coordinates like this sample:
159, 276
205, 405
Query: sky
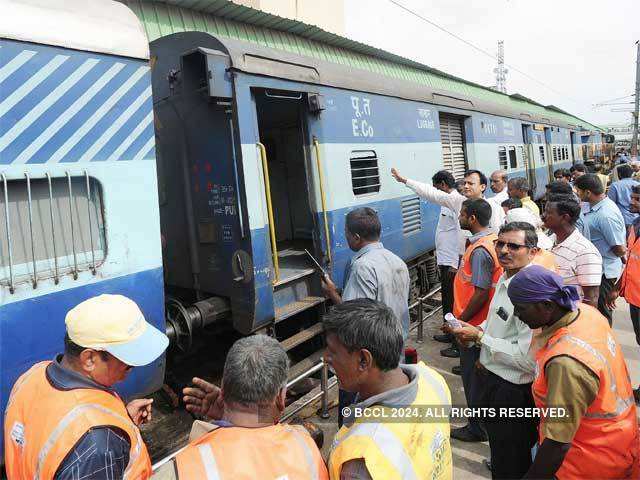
580, 52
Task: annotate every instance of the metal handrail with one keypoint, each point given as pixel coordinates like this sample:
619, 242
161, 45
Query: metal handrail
8, 223
73, 239
93, 253
272, 227
33, 246
56, 276
316, 146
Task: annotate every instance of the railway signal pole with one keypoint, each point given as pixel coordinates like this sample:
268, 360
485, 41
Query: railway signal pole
634, 141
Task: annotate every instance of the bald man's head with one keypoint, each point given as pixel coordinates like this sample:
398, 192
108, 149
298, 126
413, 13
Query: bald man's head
498, 181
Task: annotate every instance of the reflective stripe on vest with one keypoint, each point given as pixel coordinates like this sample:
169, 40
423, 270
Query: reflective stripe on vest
209, 462
68, 419
305, 449
438, 388
387, 443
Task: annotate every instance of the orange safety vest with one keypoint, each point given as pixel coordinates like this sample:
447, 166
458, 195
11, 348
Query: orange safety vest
42, 424
630, 282
545, 259
463, 289
607, 444
278, 451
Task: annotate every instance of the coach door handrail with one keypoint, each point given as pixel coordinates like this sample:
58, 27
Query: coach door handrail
316, 146
272, 227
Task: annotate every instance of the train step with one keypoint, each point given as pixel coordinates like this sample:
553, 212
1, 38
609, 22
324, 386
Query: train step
296, 306
302, 336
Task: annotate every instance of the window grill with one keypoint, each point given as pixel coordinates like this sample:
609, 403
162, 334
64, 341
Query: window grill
502, 158
365, 176
513, 157
411, 217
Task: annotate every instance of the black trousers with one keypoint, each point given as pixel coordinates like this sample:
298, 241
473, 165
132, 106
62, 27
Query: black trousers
472, 383
510, 439
634, 312
446, 288
606, 285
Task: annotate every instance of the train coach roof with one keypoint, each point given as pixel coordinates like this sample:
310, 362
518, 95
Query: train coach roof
225, 19
101, 26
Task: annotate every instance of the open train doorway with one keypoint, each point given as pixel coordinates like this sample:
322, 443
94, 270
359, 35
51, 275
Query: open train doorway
282, 130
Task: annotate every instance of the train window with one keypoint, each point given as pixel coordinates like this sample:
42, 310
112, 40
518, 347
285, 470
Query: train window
365, 176
541, 150
513, 158
56, 227
555, 154
502, 158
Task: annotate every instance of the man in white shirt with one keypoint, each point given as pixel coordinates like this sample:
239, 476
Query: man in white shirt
447, 248
578, 260
498, 181
507, 365
475, 183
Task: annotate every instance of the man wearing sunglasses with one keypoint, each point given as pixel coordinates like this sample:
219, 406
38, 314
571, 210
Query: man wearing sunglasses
506, 368
64, 420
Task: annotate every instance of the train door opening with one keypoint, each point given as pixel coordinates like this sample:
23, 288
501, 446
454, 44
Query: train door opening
282, 127
573, 147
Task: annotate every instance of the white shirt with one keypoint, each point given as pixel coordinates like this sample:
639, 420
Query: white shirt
448, 238
506, 344
578, 261
500, 197
453, 201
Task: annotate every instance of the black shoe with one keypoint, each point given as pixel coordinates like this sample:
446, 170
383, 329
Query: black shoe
457, 370
451, 352
636, 395
444, 338
487, 463
464, 434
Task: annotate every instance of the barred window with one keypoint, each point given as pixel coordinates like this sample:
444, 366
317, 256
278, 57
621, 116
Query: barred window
50, 227
542, 159
365, 176
502, 158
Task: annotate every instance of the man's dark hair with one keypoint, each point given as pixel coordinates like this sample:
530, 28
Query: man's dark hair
512, 203
364, 222
562, 172
483, 177
519, 183
73, 350
578, 167
560, 187
635, 189
368, 324
530, 235
566, 205
444, 176
590, 182
479, 208
625, 171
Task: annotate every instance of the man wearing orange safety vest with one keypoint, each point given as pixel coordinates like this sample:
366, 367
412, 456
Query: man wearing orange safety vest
63, 420
579, 368
629, 284
473, 289
245, 441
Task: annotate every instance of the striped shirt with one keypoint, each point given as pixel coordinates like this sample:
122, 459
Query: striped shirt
578, 261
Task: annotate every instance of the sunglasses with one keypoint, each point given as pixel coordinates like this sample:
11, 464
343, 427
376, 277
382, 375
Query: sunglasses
512, 247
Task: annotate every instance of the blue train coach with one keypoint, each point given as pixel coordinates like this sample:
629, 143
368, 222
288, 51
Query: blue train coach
200, 167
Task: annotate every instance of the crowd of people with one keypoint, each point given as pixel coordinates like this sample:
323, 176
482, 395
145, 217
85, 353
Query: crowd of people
527, 294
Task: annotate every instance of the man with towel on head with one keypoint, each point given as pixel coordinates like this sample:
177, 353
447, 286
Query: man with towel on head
579, 367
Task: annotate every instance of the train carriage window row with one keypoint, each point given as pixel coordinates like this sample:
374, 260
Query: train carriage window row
50, 227
365, 176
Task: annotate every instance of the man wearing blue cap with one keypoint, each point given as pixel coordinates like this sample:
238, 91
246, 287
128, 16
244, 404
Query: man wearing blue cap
580, 369
64, 420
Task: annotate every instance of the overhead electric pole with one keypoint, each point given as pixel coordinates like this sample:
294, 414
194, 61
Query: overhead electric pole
634, 141
500, 71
